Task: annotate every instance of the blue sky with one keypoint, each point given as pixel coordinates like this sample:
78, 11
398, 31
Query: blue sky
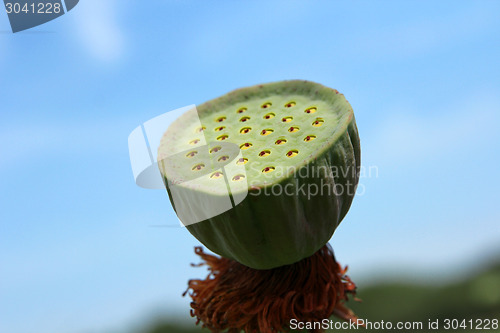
78, 249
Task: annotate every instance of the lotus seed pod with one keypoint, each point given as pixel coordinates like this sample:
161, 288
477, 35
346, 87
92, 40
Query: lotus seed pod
286, 176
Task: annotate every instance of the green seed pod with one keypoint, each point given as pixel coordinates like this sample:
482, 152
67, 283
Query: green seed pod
291, 169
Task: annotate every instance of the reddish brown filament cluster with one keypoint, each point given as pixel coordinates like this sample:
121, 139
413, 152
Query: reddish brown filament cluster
237, 298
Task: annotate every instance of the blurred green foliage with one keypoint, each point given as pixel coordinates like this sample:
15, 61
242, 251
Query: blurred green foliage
474, 298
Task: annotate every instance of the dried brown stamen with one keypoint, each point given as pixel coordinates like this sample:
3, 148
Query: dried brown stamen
237, 298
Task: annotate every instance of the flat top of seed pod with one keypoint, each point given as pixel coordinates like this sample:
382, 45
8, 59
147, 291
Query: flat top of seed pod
278, 127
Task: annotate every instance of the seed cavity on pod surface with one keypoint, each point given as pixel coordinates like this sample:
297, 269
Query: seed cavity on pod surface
266, 131
222, 137
193, 142
245, 130
215, 149
318, 122
198, 167
280, 142
309, 138
268, 169
242, 161
216, 175
238, 177
265, 153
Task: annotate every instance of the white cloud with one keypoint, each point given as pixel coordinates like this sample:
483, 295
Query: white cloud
219, 43
5, 34
408, 137
429, 34
3, 51
21, 143
99, 30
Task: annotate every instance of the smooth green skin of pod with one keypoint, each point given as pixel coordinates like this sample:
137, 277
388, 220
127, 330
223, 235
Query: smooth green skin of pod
267, 230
